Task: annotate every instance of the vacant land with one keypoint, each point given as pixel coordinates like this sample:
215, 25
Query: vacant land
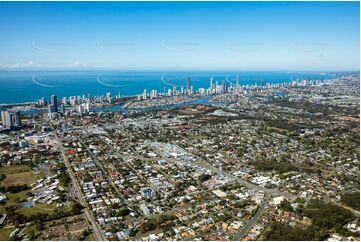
37, 209
23, 178
17, 175
5, 233
14, 169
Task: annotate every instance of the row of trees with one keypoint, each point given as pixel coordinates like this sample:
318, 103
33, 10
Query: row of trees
15, 188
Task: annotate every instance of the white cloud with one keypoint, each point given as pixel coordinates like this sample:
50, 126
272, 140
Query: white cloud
76, 64
21, 65
32, 64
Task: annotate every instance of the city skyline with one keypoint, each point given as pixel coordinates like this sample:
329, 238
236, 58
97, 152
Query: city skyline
307, 36
180, 121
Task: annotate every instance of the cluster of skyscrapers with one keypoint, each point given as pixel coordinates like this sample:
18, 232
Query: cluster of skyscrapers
80, 104
214, 88
10, 119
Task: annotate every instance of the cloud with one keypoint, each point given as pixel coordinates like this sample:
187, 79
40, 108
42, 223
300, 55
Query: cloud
32, 64
21, 65
76, 64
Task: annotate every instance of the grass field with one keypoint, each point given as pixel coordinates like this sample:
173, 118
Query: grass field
17, 198
90, 237
39, 208
17, 175
20, 174
13, 199
14, 169
19, 179
5, 233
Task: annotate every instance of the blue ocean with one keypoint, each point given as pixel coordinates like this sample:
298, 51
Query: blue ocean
28, 86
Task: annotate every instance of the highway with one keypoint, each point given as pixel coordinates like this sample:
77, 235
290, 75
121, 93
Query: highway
77, 191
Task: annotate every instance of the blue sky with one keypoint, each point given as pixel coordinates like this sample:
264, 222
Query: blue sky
180, 35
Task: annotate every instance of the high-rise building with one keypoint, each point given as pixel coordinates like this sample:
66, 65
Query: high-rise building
17, 118
62, 108
41, 101
189, 85
202, 91
72, 100
108, 97
81, 109
54, 102
211, 84
145, 94
50, 109
64, 101
174, 90
154, 93
7, 119
87, 106
223, 87
3, 118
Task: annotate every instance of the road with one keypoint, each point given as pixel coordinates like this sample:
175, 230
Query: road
101, 167
116, 152
77, 191
274, 192
253, 220
205, 164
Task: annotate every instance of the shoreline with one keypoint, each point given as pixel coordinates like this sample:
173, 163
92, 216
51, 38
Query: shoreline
16, 104
126, 97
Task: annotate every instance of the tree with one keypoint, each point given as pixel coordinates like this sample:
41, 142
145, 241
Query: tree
286, 206
351, 199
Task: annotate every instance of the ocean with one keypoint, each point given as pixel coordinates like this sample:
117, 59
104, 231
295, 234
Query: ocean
28, 86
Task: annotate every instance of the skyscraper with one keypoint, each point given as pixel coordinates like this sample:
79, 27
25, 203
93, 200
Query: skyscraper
7, 119
62, 108
54, 103
223, 87
189, 85
50, 109
154, 93
17, 118
145, 94
108, 97
211, 84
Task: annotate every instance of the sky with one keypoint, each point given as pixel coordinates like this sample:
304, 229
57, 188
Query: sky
180, 35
